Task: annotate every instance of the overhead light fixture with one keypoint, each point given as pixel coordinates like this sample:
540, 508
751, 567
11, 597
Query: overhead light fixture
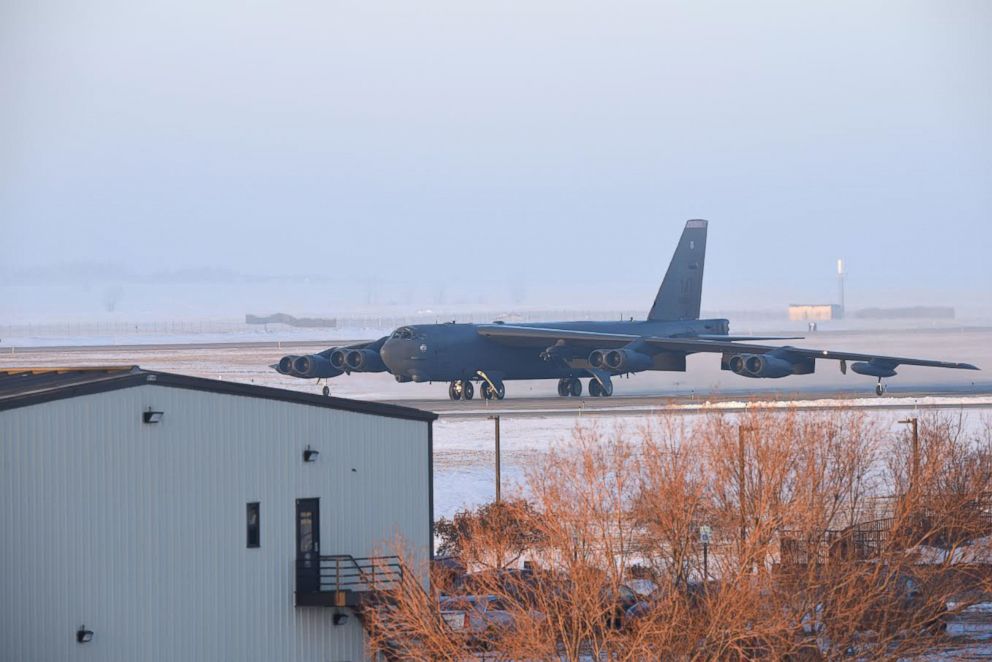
84, 636
310, 455
149, 416
340, 618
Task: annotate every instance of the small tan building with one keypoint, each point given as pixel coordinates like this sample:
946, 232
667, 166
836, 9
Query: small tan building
800, 312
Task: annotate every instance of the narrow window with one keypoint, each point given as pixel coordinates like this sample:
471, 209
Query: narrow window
252, 521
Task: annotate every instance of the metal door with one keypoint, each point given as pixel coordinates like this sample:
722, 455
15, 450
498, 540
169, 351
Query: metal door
308, 545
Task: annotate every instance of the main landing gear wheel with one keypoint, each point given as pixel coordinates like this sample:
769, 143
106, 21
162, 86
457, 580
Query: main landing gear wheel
460, 390
499, 392
569, 386
597, 390
880, 388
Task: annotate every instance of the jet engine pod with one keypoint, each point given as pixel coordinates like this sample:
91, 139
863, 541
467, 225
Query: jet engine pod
873, 369
736, 364
764, 365
337, 358
598, 358
364, 360
627, 360
314, 365
285, 365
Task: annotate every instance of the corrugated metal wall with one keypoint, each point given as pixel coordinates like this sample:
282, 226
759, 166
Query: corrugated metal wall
138, 531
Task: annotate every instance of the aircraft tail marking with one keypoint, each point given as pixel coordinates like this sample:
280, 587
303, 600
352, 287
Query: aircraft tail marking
682, 289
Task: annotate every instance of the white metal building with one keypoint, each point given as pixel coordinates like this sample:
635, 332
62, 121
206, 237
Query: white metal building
162, 517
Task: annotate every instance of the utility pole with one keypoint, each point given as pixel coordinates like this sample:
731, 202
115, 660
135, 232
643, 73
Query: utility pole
914, 475
498, 481
704, 537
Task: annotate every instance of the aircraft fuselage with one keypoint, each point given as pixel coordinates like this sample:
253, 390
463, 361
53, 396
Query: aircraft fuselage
450, 352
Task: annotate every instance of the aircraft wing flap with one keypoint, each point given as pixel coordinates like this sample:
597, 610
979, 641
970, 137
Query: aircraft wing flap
524, 336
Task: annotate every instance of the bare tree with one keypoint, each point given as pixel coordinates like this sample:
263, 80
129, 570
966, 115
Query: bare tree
828, 540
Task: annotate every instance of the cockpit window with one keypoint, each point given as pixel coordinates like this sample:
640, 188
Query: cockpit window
403, 334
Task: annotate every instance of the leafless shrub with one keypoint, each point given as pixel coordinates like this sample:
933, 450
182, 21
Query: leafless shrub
830, 538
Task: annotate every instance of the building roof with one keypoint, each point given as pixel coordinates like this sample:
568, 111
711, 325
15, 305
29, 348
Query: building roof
22, 387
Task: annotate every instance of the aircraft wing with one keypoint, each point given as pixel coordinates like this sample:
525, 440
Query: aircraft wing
540, 337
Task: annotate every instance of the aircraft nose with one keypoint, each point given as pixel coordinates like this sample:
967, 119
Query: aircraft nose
391, 355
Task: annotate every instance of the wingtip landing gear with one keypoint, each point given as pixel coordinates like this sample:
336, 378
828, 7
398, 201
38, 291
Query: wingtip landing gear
879, 388
326, 391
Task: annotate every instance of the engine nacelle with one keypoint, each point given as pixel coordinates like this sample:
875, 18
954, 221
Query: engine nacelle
873, 369
763, 365
314, 366
285, 365
736, 364
364, 360
598, 358
337, 358
627, 360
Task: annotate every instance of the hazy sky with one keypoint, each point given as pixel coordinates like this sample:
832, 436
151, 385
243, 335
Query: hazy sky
487, 143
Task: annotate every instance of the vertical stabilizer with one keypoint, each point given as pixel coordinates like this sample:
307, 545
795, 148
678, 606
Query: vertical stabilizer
681, 291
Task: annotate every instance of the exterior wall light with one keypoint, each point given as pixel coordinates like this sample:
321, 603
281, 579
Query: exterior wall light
149, 416
84, 636
310, 455
339, 618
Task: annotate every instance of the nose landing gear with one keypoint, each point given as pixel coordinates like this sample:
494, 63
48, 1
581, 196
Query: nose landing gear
461, 390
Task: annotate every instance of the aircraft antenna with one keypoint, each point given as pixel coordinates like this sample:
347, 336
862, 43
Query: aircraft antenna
840, 283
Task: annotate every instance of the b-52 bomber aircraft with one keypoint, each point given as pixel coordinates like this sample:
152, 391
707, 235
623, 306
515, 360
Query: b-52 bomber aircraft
493, 354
